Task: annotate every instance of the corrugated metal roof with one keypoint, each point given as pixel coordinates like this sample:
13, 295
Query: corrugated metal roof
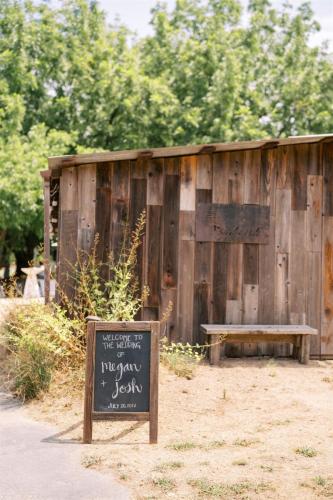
72, 160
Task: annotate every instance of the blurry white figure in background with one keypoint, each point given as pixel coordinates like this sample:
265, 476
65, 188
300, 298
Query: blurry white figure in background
31, 287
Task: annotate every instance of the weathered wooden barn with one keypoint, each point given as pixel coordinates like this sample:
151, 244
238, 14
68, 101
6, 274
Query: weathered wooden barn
235, 233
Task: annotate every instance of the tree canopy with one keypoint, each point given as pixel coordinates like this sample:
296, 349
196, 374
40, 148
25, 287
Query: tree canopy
70, 81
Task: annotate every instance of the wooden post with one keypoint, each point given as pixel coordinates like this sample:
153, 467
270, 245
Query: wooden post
154, 363
305, 350
87, 420
47, 203
215, 349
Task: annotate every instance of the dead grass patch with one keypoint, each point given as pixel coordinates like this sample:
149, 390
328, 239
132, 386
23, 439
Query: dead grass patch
206, 488
306, 451
321, 486
245, 443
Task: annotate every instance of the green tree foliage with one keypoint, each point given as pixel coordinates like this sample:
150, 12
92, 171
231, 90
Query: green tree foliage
209, 72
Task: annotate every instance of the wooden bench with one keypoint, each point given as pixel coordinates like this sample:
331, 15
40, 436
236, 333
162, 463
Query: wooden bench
298, 335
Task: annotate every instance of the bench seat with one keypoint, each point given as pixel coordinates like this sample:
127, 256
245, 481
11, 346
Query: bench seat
297, 335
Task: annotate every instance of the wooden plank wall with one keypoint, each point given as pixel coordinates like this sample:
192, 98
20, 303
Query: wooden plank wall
279, 282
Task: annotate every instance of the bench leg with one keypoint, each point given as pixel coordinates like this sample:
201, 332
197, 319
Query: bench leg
214, 350
305, 349
297, 347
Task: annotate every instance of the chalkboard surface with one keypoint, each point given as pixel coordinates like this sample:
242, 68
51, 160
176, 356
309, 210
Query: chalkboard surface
122, 371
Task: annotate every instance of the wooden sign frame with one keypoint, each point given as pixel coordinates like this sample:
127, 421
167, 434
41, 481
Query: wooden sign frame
151, 327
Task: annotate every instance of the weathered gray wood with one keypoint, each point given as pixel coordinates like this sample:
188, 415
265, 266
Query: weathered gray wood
326, 337
252, 163
86, 207
171, 230
71, 160
204, 171
314, 213
155, 182
232, 223
185, 290
221, 177
250, 314
188, 170
240, 329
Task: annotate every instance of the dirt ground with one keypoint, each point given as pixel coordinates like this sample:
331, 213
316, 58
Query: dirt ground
251, 428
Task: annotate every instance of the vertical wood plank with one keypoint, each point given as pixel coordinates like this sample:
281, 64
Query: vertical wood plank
203, 263
298, 263
327, 308
234, 292
188, 167
103, 214
268, 178
86, 206
69, 189
314, 292
314, 160
236, 177
328, 178
153, 399
283, 165
299, 179
47, 248
283, 220
172, 166
88, 398
138, 196
119, 204
233, 317
219, 282
281, 305
204, 196
251, 264
200, 310
314, 213
139, 168
235, 271
153, 256
202, 287
267, 286
204, 171
220, 177
171, 227
252, 162
67, 253
155, 182
250, 315
187, 225
185, 290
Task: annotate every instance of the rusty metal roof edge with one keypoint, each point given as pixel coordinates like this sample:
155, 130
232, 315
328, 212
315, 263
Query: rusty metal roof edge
133, 154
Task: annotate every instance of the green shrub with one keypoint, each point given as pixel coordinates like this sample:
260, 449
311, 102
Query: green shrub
40, 340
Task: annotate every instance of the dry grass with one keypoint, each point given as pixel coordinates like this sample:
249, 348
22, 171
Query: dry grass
198, 429
206, 488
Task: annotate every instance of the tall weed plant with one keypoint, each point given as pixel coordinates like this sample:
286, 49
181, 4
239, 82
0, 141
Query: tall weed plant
117, 297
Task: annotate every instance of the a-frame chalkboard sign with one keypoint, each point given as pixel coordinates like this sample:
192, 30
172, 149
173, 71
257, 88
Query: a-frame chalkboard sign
122, 374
